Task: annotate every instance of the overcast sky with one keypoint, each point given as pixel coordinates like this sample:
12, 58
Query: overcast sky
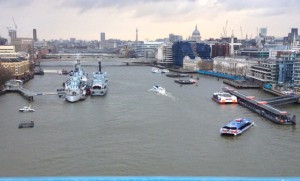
85, 19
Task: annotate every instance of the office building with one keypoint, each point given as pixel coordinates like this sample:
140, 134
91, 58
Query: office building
34, 35
102, 36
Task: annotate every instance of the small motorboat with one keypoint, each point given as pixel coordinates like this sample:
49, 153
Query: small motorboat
26, 109
155, 70
236, 127
29, 124
158, 89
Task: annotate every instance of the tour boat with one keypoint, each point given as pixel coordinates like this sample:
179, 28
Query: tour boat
236, 127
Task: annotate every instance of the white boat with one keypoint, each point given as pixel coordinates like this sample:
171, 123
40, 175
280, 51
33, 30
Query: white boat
156, 70
165, 71
224, 98
99, 84
26, 109
158, 89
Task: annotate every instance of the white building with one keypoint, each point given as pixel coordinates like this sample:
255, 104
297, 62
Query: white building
233, 65
147, 49
164, 53
191, 64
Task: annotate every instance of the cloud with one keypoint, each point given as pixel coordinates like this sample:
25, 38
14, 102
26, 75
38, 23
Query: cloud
259, 7
15, 3
140, 8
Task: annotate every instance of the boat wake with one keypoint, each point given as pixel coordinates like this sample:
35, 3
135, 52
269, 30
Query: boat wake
163, 93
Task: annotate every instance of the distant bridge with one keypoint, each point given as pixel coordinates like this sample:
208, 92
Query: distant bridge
82, 55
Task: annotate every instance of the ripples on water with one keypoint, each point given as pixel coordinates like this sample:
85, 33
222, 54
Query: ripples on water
132, 131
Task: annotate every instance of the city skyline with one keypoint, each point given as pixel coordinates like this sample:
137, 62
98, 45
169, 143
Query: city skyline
85, 19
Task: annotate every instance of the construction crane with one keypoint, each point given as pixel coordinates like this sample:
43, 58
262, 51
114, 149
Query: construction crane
241, 32
15, 24
224, 34
225, 29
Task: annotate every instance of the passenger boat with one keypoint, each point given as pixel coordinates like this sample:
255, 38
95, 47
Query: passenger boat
188, 81
236, 127
99, 84
158, 89
26, 109
224, 98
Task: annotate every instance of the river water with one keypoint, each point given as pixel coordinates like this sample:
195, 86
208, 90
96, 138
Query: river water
133, 131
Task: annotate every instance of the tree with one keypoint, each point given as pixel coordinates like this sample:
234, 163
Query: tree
5, 75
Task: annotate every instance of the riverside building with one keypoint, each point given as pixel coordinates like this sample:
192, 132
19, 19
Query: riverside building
17, 63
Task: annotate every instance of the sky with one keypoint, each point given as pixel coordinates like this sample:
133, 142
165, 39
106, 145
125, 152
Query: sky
85, 19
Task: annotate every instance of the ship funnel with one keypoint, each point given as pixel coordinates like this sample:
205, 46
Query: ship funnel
99, 66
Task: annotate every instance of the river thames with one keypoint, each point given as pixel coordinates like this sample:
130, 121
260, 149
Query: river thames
133, 131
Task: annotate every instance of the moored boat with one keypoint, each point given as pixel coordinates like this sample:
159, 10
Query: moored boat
99, 84
224, 98
187, 81
176, 75
76, 87
24, 124
236, 126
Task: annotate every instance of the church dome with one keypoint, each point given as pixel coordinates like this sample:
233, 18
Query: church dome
196, 32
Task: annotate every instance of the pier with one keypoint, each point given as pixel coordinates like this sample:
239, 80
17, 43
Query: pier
265, 108
17, 86
241, 84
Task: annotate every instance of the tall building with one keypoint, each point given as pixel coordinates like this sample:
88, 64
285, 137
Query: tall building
293, 34
34, 35
220, 49
192, 49
102, 36
174, 38
164, 53
12, 35
263, 32
136, 35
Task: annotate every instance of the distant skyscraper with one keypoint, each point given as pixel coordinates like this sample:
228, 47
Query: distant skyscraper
174, 38
263, 32
102, 36
34, 35
12, 35
136, 35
